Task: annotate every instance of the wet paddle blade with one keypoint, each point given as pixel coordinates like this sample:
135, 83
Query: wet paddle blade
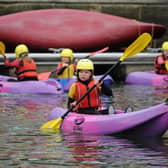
2, 48
52, 125
137, 46
44, 76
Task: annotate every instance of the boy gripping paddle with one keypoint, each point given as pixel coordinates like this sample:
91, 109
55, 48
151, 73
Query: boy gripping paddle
138, 45
91, 104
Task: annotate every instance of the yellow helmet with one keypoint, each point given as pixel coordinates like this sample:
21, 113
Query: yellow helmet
21, 48
165, 46
67, 53
85, 64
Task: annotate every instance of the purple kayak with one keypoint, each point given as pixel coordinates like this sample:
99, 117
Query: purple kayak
5, 78
152, 121
31, 87
147, 78
59, 83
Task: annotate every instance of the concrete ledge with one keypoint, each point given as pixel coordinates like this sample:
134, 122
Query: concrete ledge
47, 62
103, 58
91, 1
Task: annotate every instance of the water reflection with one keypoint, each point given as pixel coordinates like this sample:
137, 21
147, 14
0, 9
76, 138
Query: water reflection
87, 151
137, 96
94, 151
23, 146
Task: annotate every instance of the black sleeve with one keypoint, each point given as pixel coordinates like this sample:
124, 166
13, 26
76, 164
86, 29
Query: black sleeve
107, 90
70, 100
61, 70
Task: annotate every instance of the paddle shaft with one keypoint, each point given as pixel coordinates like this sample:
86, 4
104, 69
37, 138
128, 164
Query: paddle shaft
90, 89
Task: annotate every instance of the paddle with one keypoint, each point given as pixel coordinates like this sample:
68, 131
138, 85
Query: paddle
46, 75
138, 45
2, 48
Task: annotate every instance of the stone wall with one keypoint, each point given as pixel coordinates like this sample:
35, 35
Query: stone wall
153, 11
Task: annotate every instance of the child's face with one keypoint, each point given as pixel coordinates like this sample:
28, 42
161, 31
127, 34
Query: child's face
65, 59
84, 75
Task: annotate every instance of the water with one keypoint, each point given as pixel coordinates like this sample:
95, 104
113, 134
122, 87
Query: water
23, 146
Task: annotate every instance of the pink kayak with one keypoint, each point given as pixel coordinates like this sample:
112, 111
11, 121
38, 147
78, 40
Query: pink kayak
152, 121
147, 78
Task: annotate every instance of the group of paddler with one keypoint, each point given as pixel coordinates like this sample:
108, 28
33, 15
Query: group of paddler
26, 69
83, 96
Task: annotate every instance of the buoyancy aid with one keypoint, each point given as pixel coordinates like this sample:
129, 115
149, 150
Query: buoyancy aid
28, 69
92, 99
159, 64
68, 72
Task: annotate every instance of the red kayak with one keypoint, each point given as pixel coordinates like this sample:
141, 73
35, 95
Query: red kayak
77, 29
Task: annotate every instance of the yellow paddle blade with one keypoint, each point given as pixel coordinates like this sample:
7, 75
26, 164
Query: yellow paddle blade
137, 46
2, 48
166, 65
52, 125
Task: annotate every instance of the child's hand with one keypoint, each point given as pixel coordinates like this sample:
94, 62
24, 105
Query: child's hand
73, 104
65, 65
98, 83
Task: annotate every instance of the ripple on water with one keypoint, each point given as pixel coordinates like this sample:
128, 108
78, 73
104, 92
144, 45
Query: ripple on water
22, 145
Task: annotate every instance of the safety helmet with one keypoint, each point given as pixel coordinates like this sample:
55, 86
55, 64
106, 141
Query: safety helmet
21, 48
67, 53
165, 46
85, 64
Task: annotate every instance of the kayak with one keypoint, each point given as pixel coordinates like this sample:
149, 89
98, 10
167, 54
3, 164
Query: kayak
152, 121
67, 82
96, 32
5, 78
147, 78
31, 87
64, 83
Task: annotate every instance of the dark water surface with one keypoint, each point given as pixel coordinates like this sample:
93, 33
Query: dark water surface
23, 146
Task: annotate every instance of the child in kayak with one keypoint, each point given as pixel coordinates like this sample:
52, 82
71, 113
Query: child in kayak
66, 68
91, 104
25, 67
160, 61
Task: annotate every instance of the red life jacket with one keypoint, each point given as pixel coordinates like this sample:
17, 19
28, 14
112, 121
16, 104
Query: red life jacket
92, 99
159, 64
28, 69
